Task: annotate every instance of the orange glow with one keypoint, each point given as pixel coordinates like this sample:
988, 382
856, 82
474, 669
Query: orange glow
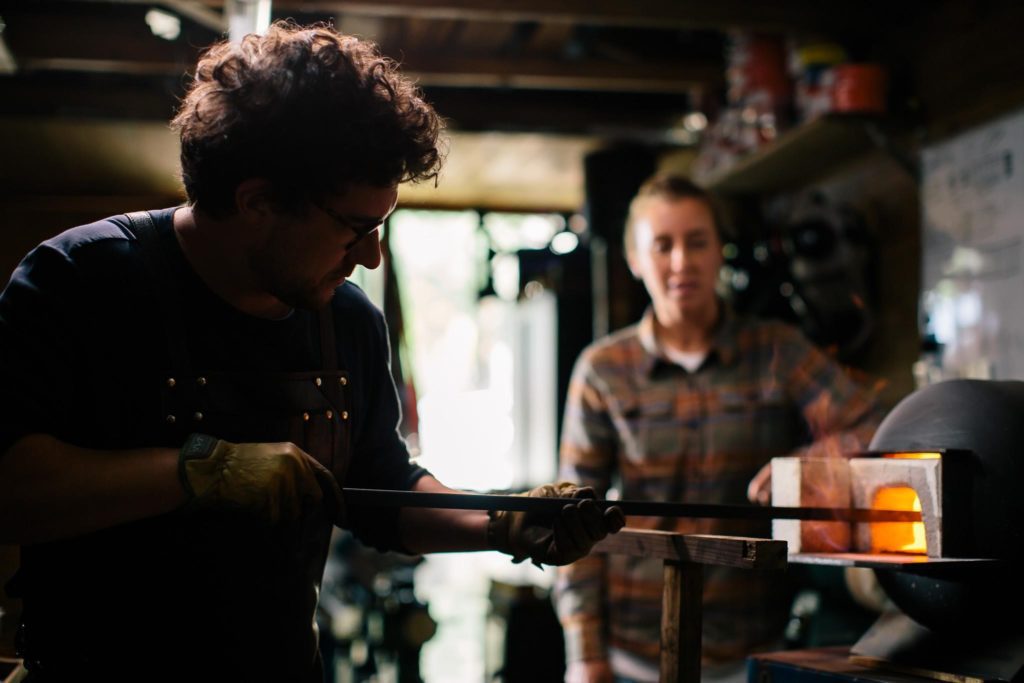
912, 456
898, 537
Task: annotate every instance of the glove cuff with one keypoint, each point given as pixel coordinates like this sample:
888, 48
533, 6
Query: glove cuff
196, 447
498, 534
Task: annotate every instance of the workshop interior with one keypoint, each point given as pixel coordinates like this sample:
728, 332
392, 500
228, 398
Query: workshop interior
867, 158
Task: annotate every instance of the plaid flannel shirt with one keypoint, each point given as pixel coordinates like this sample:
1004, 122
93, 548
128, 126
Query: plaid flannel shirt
658, 432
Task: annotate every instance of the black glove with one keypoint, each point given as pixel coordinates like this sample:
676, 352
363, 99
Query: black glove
559, 539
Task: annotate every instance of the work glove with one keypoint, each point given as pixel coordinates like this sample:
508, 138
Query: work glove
556, 539
277, 481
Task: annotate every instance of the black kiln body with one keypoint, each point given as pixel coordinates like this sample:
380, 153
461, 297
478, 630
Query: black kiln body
986, 419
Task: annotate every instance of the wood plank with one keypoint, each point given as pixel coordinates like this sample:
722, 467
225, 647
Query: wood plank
892, 561
727, 551
596, 75
681, 622
788, 15
826, 663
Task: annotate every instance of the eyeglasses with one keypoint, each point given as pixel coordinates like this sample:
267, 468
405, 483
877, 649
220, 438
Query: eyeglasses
361, 229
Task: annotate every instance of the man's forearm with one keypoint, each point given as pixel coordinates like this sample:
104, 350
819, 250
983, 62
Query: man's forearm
51, 490
429, 530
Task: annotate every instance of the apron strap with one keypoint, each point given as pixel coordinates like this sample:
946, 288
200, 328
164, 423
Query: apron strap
328, 350
342, 455
145, 232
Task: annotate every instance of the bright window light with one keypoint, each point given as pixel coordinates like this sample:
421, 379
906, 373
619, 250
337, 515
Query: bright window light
564, 242
163, 25
695, 122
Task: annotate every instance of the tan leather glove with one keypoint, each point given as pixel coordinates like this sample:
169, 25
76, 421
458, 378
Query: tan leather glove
560, 539
275, 480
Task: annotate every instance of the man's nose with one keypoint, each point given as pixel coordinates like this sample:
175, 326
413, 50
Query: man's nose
367, 252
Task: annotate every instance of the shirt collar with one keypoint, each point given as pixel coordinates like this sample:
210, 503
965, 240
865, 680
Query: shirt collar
723, 342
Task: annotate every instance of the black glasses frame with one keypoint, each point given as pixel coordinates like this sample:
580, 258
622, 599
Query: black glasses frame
343, 222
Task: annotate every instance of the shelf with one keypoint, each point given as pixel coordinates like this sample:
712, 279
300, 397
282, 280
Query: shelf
915, 564
798, 156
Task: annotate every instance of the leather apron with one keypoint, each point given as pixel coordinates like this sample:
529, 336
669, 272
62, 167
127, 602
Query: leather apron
262, 583
248, 589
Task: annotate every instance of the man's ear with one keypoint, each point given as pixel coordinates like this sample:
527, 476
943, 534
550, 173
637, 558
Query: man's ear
253, 199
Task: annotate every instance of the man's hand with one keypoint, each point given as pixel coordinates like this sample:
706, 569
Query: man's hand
560, 540
276, 480
760, 488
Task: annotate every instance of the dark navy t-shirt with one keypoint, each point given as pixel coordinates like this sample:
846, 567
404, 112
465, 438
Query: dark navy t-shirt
83, 352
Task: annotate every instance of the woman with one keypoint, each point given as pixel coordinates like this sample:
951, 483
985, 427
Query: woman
690, 405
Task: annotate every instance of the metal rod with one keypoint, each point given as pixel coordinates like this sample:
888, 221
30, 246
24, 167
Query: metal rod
636, 508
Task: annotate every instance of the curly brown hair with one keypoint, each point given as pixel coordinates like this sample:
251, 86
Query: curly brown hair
306, 108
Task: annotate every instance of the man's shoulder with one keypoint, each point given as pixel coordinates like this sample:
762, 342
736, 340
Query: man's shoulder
100, 248
106, 237
355, 315
349, 298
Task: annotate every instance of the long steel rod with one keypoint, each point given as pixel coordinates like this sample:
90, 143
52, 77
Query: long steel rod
637, 508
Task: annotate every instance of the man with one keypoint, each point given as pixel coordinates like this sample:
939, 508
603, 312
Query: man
184, 390
690, 405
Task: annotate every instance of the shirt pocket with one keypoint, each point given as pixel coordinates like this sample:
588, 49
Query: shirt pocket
652, 429
754, 426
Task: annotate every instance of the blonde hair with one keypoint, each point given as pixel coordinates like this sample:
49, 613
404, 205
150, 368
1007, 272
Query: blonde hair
671, 187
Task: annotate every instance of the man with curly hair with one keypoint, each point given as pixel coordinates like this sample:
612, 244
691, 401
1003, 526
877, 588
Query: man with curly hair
185, 390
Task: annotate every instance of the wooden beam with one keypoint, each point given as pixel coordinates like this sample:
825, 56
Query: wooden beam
197, 12
464, 73
103, 66
104, 38
785, 16
542, 74
726, 551
40, 45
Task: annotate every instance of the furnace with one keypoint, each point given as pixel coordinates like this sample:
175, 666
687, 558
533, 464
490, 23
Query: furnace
934, 483
952, 452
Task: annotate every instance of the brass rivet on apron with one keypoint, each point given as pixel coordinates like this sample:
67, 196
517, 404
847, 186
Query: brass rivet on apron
344, 415
170, 419
305, 416
343, 380
171, 382
318, 381
201, 381
198, 416
329, 414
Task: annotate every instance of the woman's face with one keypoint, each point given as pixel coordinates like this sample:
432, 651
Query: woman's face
677, 254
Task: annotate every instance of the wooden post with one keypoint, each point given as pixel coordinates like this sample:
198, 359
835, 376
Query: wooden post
682, 600
681, 620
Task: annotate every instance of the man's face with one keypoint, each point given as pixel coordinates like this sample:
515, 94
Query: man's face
677, 254
306, 257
